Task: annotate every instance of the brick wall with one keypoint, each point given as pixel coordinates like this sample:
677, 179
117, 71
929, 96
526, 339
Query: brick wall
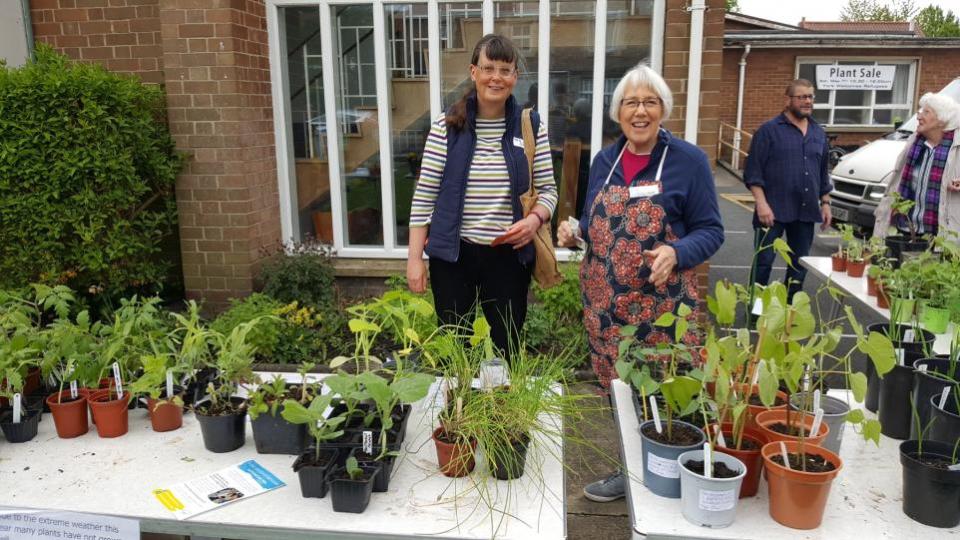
675, 64
769, 70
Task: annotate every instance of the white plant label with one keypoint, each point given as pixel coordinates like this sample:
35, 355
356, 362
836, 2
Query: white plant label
908, 335
757, 307
923, 368
116, 378
720, 439
806, 383
817, 420
368, 443
954, 467
901, 354
169, 384
717, 501
943, 396
783, 454
707, 460
656, 414
16, 408
816, 400
73, 389
664, 468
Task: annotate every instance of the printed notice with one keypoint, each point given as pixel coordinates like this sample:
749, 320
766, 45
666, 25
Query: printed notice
717, 501
667, 468
21, 524
200, 495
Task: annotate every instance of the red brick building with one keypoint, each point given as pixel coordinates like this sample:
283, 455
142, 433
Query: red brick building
307, 118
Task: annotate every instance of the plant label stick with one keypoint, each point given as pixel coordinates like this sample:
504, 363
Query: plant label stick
783, 453
707, 461
954, 467
943, 396
756, 373
816, 400
757, 307
817, 419
16, 408
116, 378
656, 414
908, 335
923, 367
73, 389
900, 355
169, 384
368, 443
720, 439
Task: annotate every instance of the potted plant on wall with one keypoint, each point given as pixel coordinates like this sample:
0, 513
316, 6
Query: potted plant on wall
314, 464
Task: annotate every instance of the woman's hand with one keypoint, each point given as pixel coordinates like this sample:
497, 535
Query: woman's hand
662, 261
416, 275
520, 233
955, 184
565, 235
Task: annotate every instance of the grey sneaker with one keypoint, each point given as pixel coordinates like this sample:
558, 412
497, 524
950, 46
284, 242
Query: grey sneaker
608, 489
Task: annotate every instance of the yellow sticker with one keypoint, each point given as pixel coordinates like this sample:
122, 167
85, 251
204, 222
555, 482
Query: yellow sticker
168, 500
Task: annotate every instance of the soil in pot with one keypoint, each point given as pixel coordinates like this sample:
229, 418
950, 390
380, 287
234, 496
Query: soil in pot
710, 502
931, 492
720, 469
809, 463
798, 498
110, 412
944, 421
661, 471
22, 431
454, 454
926, 385
225, 428
313, 471
748, 454
69, 414
776, 427
352, 495
382, 482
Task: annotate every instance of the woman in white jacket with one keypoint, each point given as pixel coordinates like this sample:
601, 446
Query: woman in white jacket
929, 174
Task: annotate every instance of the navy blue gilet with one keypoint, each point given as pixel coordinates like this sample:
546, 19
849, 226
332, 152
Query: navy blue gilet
444, 235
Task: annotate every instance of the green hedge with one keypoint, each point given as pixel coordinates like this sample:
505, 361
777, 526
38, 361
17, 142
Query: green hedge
87, 170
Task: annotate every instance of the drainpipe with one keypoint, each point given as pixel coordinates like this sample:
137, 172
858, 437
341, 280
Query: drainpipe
693, 70
736, 134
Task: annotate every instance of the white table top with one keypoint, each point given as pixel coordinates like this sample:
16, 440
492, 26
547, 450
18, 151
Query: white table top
865, 499
856, 288
117, 476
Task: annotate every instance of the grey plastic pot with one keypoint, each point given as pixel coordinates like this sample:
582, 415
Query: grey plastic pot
834, 414
661, 473
710, 502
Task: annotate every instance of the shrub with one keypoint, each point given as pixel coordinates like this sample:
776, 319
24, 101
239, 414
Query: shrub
303, 273
87, 170
266, 334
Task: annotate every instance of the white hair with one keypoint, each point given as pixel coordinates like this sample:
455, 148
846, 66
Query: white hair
641, 76
946, 109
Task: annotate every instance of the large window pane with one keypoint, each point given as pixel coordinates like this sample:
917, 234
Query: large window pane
357, 123
628, 43
570, 118
310, 178
519, 22
850, 116
852, 98
897, 94
461, 27
410, 106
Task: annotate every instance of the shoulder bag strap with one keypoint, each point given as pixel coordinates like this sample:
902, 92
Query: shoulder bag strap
529, 145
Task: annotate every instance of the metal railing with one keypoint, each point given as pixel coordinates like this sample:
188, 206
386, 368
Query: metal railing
730, 144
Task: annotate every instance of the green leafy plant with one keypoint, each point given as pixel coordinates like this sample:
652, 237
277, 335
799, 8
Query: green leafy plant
406, 387
234, 362
321, 428
353, 469
901, 208
301, 272
87, 171
265, 336
365, 331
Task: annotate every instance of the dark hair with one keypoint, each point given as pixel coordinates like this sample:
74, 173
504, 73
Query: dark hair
494, 47
794, 84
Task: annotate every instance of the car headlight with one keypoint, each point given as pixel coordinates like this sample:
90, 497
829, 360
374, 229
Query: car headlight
875, 193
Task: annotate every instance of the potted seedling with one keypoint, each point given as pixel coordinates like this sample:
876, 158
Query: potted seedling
799, 477
937, 283
18, 422
945, 414
314, 464
272, 434
409, 320
899, 245
194, 353
839, 259
856, 263
931, 480
931, 376
710, 484
164, 400
365, 332
455, 437
222, 415
350, 486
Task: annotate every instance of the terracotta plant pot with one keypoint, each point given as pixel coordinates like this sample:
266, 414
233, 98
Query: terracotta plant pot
883, 298
164, 415
109, 412
838, 262
855, 268
457, 459
754, 410
770, 418
750, 458
797, 498
871, 286
70, 417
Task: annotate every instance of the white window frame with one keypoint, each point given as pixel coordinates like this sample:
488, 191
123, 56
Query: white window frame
826, 98
382, 51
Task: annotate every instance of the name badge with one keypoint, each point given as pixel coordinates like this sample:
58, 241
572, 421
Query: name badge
644, 191
517, 141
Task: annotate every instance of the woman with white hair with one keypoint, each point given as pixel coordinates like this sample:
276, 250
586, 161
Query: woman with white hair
651, 216
929, 173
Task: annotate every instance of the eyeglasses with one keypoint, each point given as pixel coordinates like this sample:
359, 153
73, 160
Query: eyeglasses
805, 97
503, 72
632, 105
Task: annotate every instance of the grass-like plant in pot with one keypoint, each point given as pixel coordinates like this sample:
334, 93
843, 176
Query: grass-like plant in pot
350, 486
272, 434
931, 479
315, 463
222, 415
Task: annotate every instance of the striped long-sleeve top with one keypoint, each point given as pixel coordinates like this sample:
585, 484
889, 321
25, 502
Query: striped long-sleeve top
487, 211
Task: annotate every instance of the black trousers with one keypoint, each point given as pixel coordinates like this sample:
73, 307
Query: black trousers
492, 276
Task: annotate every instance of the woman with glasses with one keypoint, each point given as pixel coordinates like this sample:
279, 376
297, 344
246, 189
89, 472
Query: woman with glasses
651, 216
929, 173
466, 212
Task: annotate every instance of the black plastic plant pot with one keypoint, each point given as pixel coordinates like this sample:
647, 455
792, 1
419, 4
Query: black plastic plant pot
225, 432
944, 422
931, 495
895, 411
872, 400
196, 387
352, 496
913, 350
898, 245
22, 431
511, 461
313, 471
925, 386
382, 482
274, 435
34, 403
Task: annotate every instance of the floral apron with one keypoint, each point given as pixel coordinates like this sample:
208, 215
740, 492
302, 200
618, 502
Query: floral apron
613, 276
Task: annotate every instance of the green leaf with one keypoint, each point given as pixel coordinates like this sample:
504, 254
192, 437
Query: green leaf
360, 325
768, 384
679, 390
665, 320
871, 431
295, 413
858, 384
855, 416
880, 350
411, 388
